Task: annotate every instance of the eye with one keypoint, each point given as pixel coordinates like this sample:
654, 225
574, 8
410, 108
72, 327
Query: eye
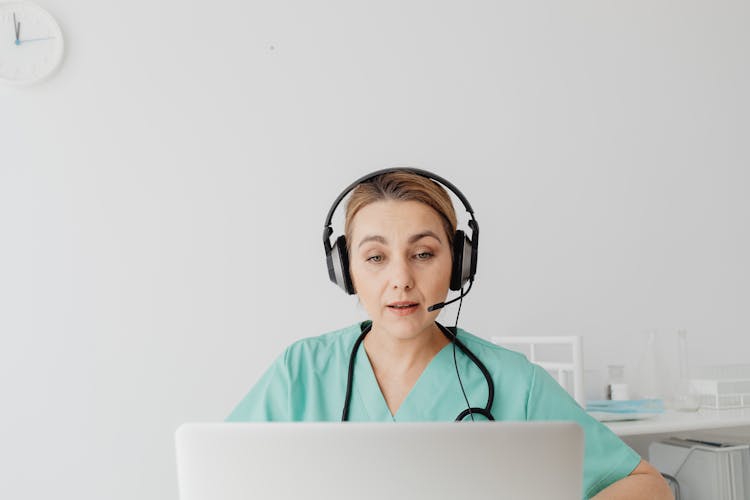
375, 258
424, 255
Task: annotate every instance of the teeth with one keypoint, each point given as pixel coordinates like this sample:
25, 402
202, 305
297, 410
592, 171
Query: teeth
404, 307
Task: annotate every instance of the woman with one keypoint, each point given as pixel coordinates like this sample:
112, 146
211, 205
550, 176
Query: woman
400, 254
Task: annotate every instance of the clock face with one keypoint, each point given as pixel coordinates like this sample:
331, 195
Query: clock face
31, 43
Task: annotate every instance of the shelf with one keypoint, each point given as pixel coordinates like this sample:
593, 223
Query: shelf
675, 421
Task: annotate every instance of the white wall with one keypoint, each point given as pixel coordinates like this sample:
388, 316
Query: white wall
162, 198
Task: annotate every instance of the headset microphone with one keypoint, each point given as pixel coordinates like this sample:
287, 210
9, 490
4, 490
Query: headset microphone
441, 305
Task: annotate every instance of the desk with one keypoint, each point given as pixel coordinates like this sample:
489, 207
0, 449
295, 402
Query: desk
639, 433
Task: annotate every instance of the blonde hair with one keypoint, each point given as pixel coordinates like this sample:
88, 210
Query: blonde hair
402, 186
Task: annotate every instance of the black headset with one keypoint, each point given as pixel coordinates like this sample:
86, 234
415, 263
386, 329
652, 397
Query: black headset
465, 248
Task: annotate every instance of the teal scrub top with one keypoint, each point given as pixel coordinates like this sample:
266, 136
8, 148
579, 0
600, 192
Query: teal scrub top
308, 383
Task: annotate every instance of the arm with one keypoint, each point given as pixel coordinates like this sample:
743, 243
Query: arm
611, 469
645, 482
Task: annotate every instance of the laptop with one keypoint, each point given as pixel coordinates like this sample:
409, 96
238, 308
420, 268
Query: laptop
383, 461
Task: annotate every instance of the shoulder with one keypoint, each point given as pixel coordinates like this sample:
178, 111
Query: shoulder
319, 350
484, 349
507, 367
327, 341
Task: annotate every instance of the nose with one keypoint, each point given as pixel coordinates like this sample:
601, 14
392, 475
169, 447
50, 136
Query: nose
401, 274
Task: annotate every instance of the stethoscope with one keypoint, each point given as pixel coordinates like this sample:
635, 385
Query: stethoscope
365, 328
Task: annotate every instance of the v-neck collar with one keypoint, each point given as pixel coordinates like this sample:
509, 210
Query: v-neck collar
373, 399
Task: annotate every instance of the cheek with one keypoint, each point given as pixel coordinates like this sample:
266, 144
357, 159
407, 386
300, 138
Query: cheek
446, 267
367, 288
362, 280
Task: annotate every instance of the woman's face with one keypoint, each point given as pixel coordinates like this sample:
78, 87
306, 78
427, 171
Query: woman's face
400, 263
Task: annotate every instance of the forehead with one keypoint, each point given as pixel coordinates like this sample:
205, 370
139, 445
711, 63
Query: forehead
395, 218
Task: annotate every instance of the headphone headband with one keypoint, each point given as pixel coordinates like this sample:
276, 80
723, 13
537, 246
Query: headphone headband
365, 178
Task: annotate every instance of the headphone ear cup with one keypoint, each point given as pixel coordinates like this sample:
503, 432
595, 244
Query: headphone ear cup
464, 260
458, 260
338, 266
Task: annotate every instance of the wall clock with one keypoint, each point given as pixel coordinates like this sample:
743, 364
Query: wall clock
31, 43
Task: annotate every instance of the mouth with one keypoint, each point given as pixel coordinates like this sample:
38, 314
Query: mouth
403, 306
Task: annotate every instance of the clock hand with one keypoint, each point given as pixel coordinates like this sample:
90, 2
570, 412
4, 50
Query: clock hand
16, 28
35, 39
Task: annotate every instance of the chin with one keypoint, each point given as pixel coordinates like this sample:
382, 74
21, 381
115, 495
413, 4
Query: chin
406, 328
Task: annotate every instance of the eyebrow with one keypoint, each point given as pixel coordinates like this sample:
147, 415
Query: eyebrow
412, 239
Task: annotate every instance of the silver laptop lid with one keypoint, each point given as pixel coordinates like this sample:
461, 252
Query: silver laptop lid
435, 461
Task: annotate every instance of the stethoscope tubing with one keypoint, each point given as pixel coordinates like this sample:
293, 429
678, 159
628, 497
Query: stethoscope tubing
451, 335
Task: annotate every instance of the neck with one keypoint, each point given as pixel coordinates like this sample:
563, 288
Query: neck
399, 354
